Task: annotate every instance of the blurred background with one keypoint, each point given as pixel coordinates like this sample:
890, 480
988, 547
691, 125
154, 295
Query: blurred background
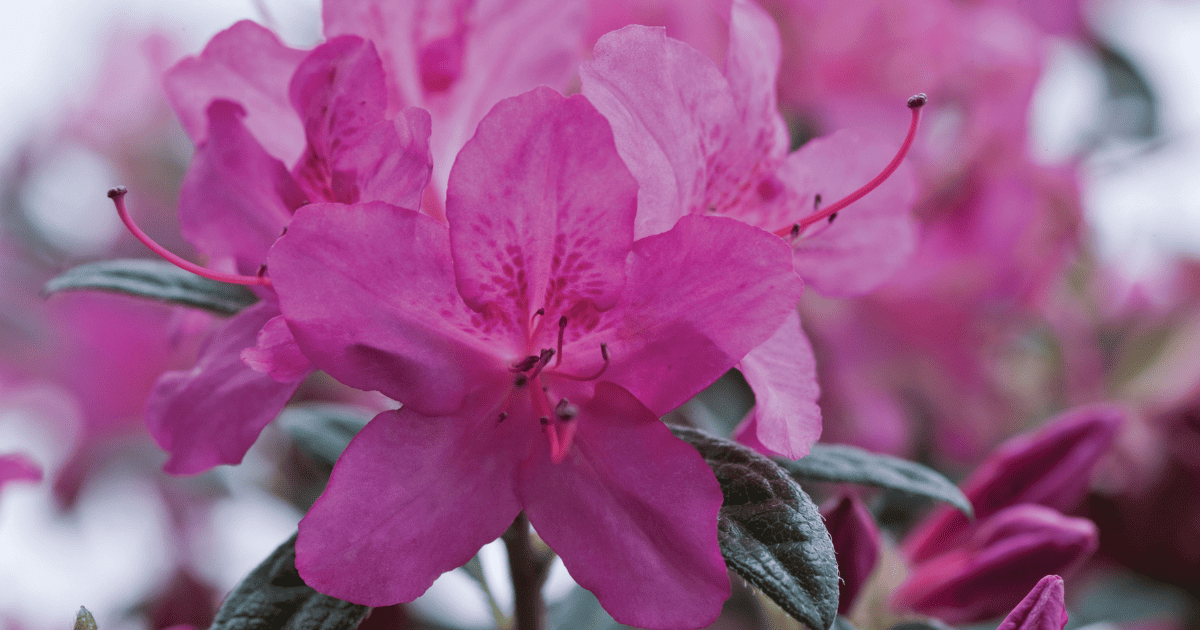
1096, 296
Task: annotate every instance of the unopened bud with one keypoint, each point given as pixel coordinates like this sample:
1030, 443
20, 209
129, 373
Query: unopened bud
856, 543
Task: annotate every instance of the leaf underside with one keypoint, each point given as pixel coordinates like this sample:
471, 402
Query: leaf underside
770, 531
847, 464
273, 597
155, 279
323, 430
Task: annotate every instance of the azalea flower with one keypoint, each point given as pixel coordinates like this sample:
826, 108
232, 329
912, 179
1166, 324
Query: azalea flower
533, 343
238, 197
705, 141
18, 467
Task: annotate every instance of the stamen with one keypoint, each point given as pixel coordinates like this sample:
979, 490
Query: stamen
534, 318
816, 202
915, 103
565, 410
603, 353
562, 329
524, 365
542, 361
118, 196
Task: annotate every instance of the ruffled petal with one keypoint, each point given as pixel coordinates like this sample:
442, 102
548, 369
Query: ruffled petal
410, 498
353, 153
670, 109
782, 371
698, 298
752, 69
368, 291
246, 64
212, 414
541, 210
632, 511
871, 239
235, 199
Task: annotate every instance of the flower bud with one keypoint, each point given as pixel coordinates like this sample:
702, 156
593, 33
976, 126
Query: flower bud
1006, 555
1051, 467
856, 542
1044, 608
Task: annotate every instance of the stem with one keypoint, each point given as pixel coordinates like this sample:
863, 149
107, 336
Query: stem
529, 569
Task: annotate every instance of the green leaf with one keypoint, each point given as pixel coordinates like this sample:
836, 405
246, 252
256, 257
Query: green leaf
323, 429
155, 279
273, 597
841, 463
771, 532
841, 623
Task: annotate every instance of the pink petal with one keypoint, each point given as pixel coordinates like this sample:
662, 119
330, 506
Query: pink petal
783, 374
670, 108
354, 154
368, 291
698, 298
856, 541
870, 240
247, 64
541, 210
1044, 608
235, 199
277, 354
633, 514
752, 69
212, 414
1051, 467
411, 498
18, 467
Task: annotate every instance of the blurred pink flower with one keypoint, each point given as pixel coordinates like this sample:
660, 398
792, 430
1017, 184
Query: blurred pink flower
537, 286
18, 467
856, 541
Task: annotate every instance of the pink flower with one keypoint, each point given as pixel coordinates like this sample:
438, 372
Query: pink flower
1005, 555
1044, 608
534, 344
238, 197
703, 141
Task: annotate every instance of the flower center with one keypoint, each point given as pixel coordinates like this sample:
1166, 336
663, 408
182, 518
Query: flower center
557, 421
792, 231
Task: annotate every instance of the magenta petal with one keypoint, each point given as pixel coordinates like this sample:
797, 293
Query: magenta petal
856, 541
1005, 557
18, 467
783, 374
235, 199
247, 64
277, 354
1051, 467
872, 238
368, 291
633, 513
752, 69
541, 209
212, 413
665, 101
698, 299
410, 498
1044, 608
354, 154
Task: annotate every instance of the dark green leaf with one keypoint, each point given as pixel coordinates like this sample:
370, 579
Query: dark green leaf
770, 531
841, 463
156, 279
323, 429
273, 597
841, 623
578, 610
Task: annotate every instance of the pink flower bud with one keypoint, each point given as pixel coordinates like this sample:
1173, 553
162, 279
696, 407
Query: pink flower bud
1006, 555
1051, 467
18, 467
856, 541
1043, 608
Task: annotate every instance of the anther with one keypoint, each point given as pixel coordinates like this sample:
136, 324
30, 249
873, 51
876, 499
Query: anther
524, 365
604, 354
562, 329
795, 231
816, 202
565, 410
543, 360
118, 196
832, 217
503, 415
915, 104
534, 318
